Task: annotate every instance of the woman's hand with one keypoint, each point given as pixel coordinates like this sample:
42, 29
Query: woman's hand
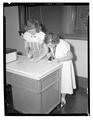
34, 60
55, 61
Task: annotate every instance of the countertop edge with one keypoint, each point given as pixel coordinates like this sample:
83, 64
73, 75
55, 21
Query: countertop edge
25, 74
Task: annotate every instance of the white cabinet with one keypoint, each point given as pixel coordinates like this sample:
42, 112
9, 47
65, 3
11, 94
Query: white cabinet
35, 86
32, 96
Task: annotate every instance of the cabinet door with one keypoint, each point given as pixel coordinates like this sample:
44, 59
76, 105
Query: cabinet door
8, 78
51, 91
26, 101
26, 83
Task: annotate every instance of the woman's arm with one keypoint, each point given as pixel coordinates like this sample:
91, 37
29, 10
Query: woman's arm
68, 56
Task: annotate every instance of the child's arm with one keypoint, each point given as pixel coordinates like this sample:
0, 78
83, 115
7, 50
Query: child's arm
43, 54
68, 56
26, 47
27, 44
26, 36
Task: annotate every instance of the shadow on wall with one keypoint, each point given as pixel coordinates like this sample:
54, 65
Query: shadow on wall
73, 52
74, 59
44, 29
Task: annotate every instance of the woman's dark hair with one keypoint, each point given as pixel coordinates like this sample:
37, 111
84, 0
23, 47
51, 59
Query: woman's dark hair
51, 37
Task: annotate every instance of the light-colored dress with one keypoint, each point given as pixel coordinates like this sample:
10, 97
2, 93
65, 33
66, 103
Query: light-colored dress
68, 82
35, 43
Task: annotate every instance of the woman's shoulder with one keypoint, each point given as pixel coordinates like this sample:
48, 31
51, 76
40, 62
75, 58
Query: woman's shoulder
64, 42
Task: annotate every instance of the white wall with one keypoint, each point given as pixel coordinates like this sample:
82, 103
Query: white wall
80, 51
13, 40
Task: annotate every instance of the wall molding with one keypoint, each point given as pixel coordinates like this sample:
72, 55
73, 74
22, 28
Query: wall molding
82, 82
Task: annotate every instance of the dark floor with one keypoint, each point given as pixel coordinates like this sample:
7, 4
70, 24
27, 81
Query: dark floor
77, 104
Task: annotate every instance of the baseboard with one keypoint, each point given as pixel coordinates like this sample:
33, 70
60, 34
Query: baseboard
82, 82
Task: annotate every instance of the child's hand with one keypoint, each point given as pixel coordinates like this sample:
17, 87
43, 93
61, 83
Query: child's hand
37, 60
31, 59
34, 60
54, 61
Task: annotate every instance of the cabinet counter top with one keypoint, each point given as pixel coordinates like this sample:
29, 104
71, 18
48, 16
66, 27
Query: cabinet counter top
25, 67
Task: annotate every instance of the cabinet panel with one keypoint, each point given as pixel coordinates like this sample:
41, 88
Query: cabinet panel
27, 83
36, 96
26, 101
8, 78
50, 98
50, 80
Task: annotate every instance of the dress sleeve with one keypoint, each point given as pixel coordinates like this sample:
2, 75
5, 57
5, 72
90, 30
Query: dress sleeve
27, 36
62, 48
66, 47
41, 37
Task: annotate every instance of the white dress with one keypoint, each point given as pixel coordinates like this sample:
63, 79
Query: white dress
35, 43
68, 76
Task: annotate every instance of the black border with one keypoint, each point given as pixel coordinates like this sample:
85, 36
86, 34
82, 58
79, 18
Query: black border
43, 4
4, 58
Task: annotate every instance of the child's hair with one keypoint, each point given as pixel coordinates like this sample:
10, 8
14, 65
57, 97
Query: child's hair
32, 23
51, 37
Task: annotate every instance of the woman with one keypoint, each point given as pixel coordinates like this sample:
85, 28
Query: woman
61, 52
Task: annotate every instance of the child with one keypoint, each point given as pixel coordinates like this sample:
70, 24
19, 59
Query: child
34, 37
60, 49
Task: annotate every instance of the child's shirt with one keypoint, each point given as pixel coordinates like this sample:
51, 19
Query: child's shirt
38, 37
35, 42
